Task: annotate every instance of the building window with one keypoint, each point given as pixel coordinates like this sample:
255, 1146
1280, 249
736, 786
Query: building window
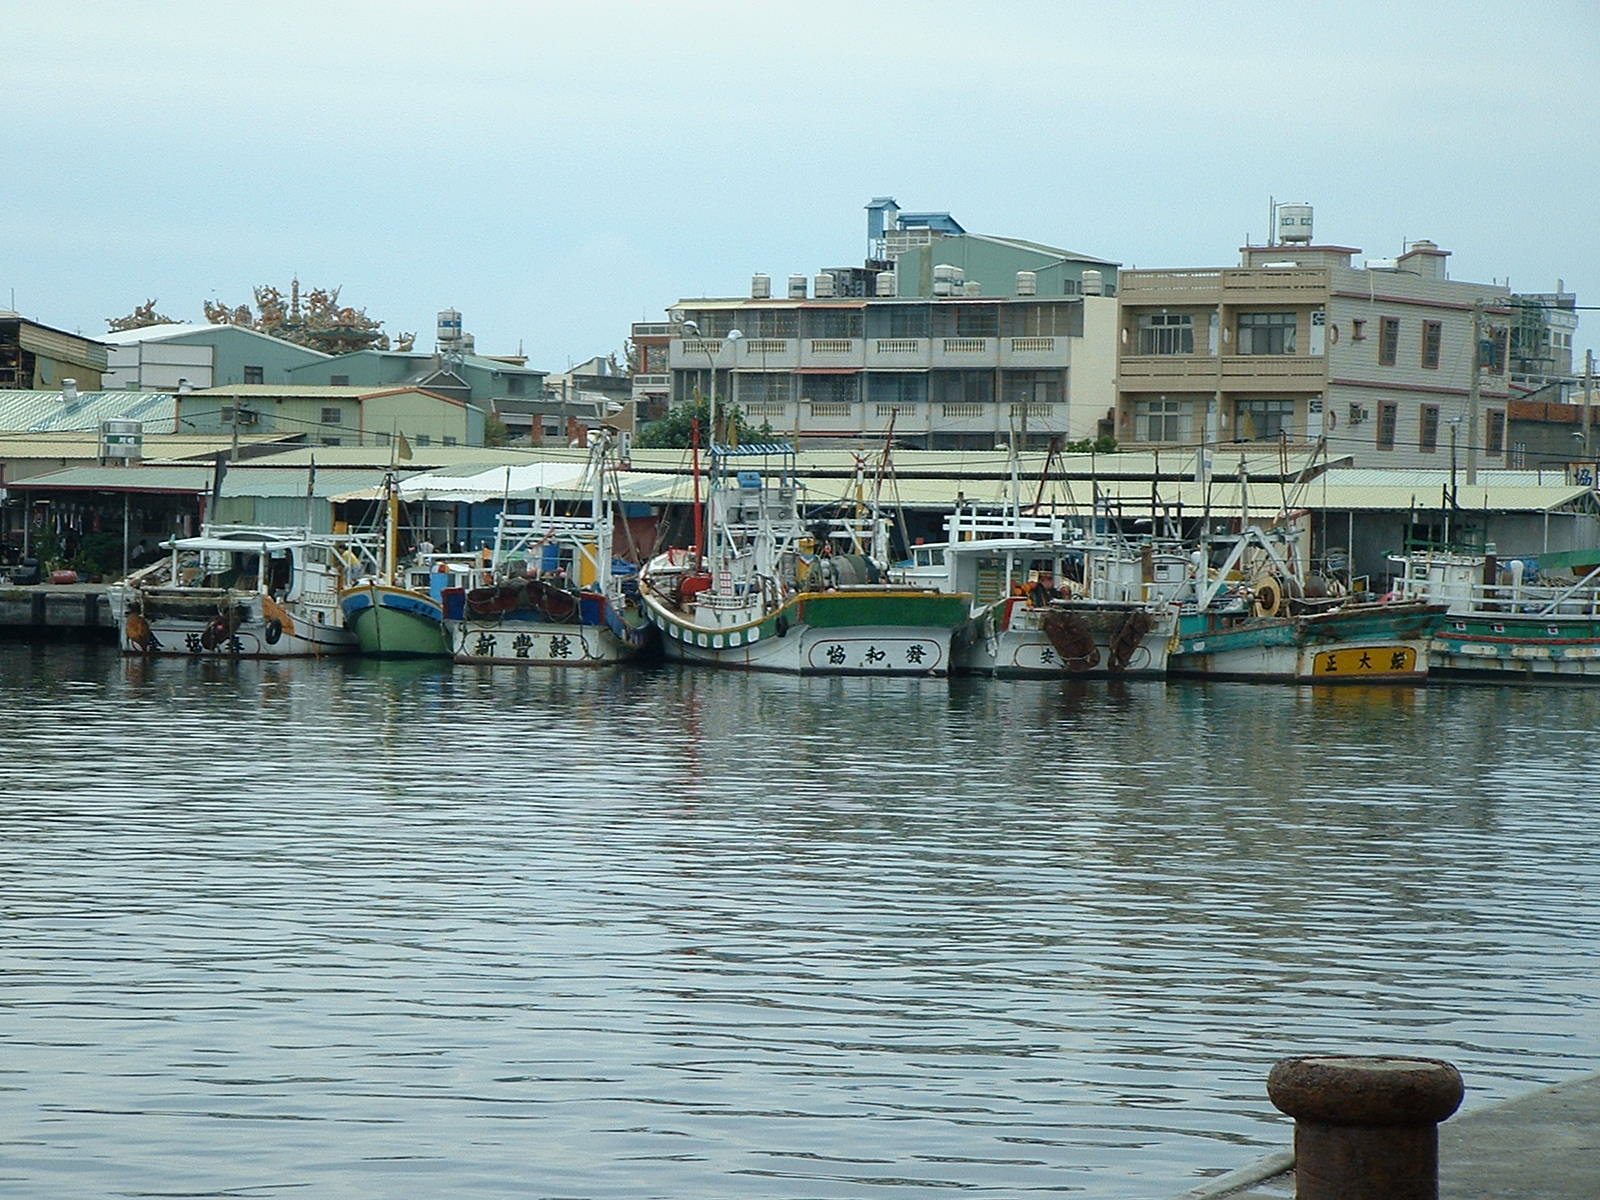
904, 389
830, 389
963, 319
765, 387
339, 381
1045, 319
514, 385
254, 375
1266, 333
1031, 387
424, 440
333, 416
332, 441
1159, 420
449, 441
962, 387
551, 427
1432, 334
1262, 420
1495, 439
1388, 415
1388, 341
831, 323
1166, 333
1428, 435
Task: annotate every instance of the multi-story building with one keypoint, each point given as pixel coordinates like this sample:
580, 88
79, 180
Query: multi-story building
1299, 344
955, 340
952, 372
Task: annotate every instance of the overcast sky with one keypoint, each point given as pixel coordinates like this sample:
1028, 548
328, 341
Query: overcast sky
557, 171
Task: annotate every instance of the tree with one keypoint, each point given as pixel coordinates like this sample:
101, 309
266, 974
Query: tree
675, 430
1099, 445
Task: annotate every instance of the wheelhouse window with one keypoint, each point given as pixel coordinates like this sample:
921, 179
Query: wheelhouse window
1388, 341
1266, 333
1166, 333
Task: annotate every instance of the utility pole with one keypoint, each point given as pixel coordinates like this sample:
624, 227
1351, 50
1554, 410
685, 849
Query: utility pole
1588, 419
1474, 392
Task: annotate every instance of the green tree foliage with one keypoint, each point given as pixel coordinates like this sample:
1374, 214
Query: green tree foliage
1099, 445
675, 430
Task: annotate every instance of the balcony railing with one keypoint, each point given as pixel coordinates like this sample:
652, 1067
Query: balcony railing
1033, 345
897, 345
963, 410
832, 345
830, 408
966, 345
766, 346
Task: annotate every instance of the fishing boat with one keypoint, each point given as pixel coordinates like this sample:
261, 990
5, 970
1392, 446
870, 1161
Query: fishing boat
1047, 601
397, 611
554, 594
1508, 621
1257, 618
768, 592
241, 591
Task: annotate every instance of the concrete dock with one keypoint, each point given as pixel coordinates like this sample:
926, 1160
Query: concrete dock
56, 612
1542, 1146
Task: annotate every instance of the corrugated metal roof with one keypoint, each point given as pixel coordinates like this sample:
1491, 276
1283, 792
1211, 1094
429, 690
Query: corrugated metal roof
299, 389
241, 480
158, 448
39, 412
161, 333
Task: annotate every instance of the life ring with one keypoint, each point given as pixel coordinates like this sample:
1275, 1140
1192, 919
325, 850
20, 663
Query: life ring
1268, 598
274, 631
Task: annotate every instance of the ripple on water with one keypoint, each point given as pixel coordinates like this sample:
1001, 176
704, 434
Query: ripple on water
386, 930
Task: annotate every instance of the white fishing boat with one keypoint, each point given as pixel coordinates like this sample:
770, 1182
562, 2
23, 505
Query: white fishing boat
1047, 601
241, 591
1510, 620
768, 593
554, 594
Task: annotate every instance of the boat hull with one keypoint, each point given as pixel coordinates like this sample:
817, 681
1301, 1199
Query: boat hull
845, 632
1068, 639
161, 622
549, 627
1357, 643
1517, 647
394, 622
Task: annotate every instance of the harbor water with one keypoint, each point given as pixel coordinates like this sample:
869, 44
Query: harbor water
354, 929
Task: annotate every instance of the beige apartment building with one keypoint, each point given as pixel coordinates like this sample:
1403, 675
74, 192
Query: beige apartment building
1299, 344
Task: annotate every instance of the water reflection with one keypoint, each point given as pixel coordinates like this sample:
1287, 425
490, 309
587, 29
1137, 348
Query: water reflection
388, 928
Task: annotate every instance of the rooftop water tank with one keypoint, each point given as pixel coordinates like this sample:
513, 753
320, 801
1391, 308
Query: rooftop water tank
122, 438
1294, 223
822, 286
972, 288
1093, 283
449, 327
797, 287
1027, 283
885, 284
760, 287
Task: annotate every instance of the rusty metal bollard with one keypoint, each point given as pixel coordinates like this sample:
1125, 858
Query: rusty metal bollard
1365, 1128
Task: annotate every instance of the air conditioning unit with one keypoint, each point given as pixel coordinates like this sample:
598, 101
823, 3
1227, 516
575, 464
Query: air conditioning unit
1358, 414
